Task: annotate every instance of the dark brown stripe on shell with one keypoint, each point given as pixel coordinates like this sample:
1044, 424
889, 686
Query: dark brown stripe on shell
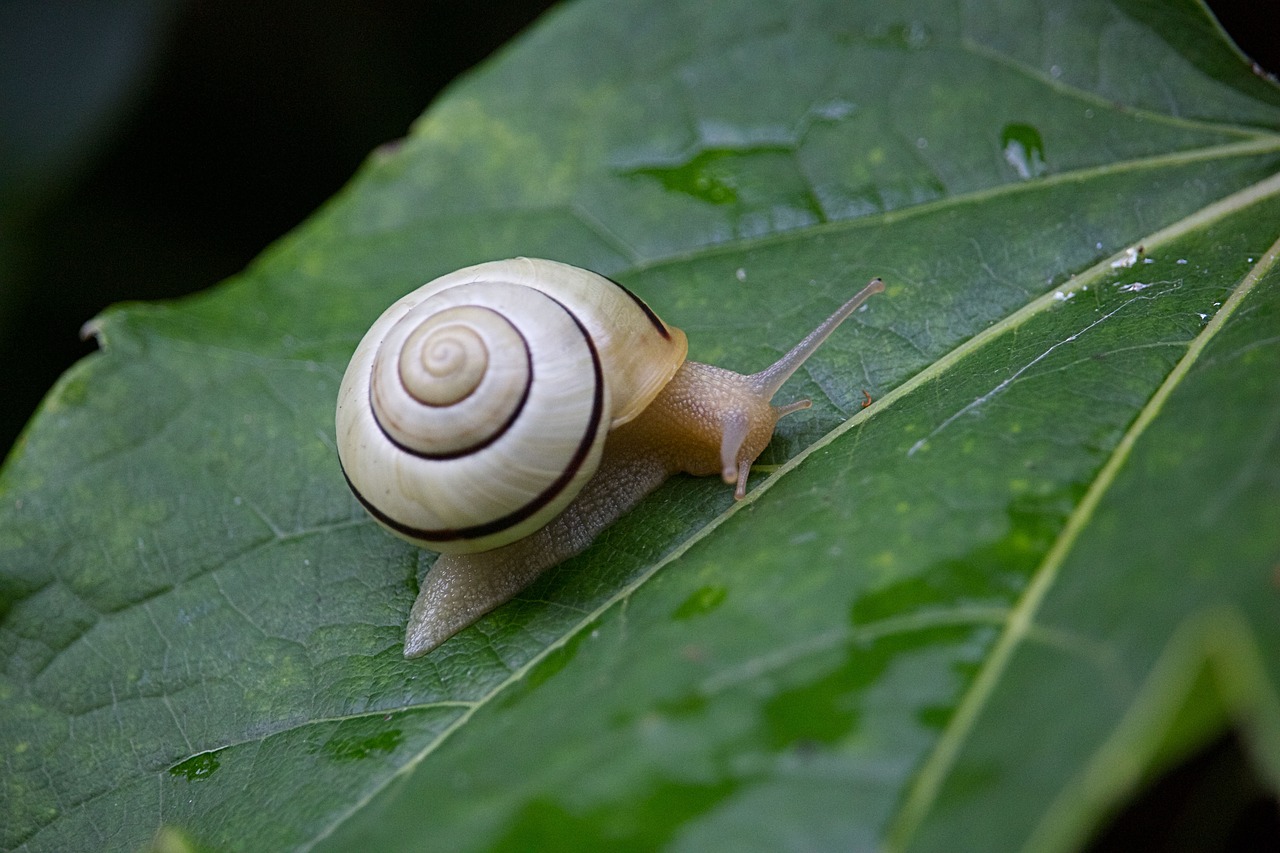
483, 442
532, 507
653, 318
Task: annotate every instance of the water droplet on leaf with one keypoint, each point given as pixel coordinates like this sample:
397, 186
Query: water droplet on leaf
1023, 148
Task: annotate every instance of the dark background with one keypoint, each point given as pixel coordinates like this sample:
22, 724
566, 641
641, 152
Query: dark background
150, 148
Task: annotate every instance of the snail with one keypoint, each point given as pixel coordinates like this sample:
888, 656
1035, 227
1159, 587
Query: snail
506, 413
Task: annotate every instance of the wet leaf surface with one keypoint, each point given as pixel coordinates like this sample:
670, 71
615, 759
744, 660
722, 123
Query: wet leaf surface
1041, 566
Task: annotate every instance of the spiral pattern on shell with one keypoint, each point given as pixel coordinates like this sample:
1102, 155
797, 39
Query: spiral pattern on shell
476, 407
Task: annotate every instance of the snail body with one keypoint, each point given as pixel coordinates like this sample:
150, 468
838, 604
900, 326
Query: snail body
506, 413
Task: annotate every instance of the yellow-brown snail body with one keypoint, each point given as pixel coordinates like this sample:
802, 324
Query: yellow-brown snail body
506, 413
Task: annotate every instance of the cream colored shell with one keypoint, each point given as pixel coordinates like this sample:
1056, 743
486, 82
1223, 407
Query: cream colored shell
475, 408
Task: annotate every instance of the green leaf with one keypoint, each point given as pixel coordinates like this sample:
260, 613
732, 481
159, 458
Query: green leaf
1041, 567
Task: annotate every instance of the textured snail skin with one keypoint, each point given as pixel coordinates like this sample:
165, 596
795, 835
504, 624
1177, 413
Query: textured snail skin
678, 432
702, 420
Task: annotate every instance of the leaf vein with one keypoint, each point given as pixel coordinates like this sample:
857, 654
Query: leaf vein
935, 767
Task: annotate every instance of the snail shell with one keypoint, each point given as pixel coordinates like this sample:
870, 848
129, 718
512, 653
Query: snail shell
476, 407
